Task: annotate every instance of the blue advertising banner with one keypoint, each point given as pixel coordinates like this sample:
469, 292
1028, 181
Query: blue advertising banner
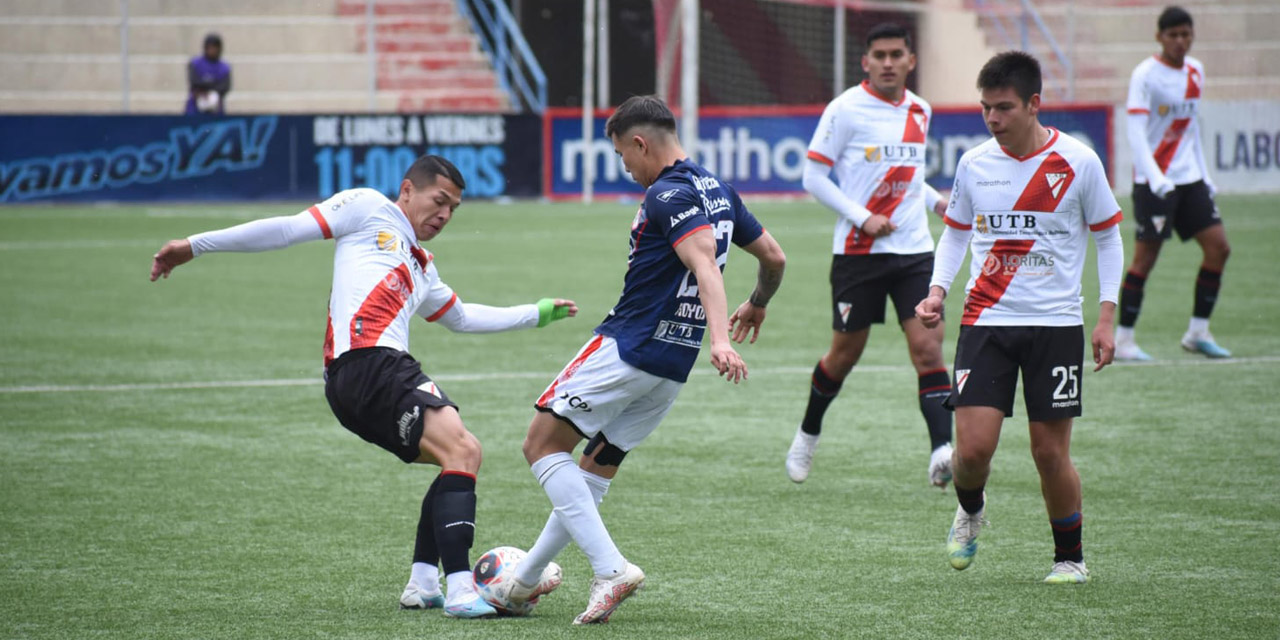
762, 149
265, 157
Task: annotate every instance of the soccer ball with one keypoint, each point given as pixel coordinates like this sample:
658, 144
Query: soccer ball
495, 568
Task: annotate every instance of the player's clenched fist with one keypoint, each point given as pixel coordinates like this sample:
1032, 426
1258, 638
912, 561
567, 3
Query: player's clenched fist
929, 311
172, 254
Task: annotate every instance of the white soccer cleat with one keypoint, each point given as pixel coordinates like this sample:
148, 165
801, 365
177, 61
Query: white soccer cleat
1129, 350
1204, 343
416, 597
962, 539
940, 466
517, 593
608, 593
800, 456
1067, 572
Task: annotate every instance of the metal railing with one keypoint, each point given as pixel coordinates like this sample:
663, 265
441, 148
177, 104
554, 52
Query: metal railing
518, 71
1008, 16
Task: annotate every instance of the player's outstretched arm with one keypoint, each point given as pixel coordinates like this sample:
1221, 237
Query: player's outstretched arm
258, 235
698, 253
466, 317
750, 314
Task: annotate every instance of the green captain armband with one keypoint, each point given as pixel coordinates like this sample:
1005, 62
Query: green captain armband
548, 312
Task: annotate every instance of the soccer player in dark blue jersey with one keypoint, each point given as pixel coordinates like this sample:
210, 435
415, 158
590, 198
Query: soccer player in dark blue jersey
620, 385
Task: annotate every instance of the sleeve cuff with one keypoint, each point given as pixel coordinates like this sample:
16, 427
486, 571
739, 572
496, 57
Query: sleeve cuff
324, 224
956, 225
443, 310
1108, 223
689, 233
818, 157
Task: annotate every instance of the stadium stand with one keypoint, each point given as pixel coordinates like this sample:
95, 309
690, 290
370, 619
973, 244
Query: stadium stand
63, 56
1235, 40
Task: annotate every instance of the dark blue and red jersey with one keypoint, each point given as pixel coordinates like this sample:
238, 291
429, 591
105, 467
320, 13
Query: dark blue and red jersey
659, 320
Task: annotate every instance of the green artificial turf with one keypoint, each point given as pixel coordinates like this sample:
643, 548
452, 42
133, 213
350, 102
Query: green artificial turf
169, 467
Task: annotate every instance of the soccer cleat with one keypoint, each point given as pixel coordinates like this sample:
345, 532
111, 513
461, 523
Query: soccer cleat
940, 466
1067, 572
470, 606
1130, 351
415, 597
608, 593
800, 456
517, 593
1205, 344
962, 540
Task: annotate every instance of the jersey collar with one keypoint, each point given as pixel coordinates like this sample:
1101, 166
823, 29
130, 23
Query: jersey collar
1162, 61
1053, 137
866, 86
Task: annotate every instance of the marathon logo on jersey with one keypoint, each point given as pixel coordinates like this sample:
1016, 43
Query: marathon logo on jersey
962, 376
665, 196
405, 424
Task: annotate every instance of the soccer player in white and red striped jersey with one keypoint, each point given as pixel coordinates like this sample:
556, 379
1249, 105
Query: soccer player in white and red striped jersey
1025, 203
873, 137
382, 277
1172, 190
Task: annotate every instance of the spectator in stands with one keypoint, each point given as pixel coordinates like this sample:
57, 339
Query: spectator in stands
209, 79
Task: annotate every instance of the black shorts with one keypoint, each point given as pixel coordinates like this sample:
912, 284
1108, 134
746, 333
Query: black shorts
1051, 359
381, 395
859, 285
1188, 210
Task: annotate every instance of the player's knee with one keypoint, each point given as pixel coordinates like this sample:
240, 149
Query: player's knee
972, 457
926, 356
1049, 457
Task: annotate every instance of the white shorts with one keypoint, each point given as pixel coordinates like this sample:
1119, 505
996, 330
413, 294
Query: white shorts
599, 393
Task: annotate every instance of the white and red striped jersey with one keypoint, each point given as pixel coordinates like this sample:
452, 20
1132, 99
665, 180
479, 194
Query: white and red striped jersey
1030, 217
1171, 99
381, 276
877, 151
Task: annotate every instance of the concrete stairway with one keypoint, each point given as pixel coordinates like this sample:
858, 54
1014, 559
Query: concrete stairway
1236, 40
64, 56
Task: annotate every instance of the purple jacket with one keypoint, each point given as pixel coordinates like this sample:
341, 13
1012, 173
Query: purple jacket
204, 74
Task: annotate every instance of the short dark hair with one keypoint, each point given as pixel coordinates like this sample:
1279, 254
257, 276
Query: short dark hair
640, 110
1016, 69
424, 170
1173, 16
886, 31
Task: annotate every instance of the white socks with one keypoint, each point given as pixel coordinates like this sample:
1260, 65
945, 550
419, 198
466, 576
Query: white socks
554, 537
426, 576
1124, 335
1198, 326
461, 587
575, 508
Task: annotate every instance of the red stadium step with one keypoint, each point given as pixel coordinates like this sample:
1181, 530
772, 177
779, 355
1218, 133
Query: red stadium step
399, 7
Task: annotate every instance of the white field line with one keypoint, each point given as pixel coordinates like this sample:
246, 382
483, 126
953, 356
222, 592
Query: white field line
525, 375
